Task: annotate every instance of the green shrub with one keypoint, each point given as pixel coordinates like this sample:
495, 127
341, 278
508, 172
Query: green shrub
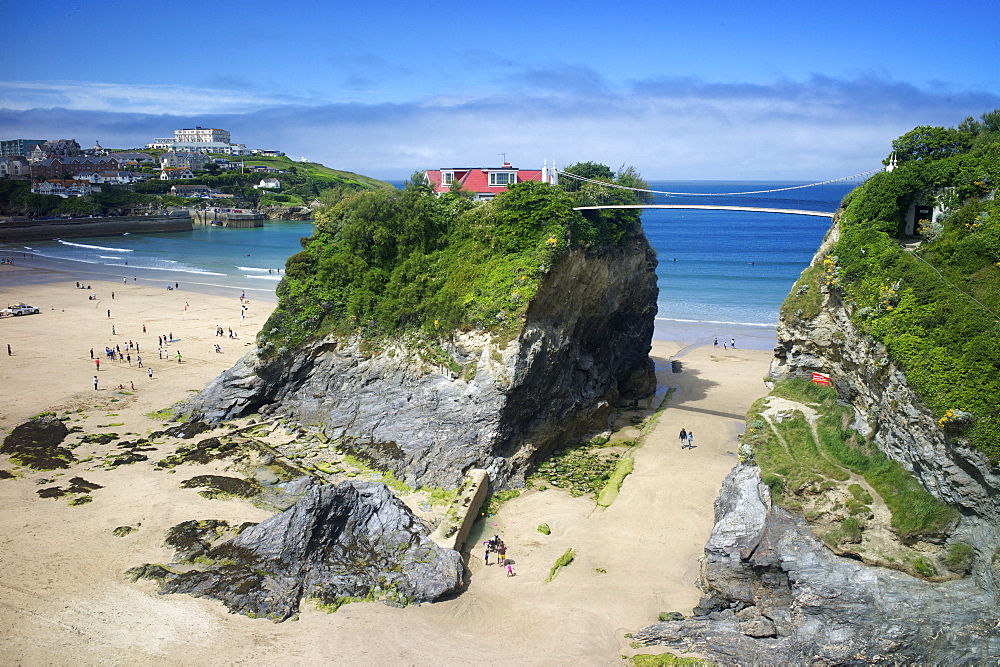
924, 567
544, 529
960, 558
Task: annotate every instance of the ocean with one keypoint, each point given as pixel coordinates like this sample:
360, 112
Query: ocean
721, 273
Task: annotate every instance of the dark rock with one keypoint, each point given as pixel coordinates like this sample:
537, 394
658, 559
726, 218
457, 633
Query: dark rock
35, 444
354, 540
122, 531
185, 431
209, 449
99, 438
583, 347
6, 474
80, 485
220, 486
51, 492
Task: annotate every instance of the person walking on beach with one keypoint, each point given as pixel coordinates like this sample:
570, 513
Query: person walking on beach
501, 553
486, 556
178, 356
139, 359
10, 353
150, 371
732, 343
510, 570
98, 362
91, 353
690, 439
112, 330
109, 313
95, 383
715, 343
112, 296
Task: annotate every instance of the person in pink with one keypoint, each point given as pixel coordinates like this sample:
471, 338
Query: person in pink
510, 570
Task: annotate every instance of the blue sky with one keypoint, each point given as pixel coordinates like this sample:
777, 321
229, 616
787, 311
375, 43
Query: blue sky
721, 90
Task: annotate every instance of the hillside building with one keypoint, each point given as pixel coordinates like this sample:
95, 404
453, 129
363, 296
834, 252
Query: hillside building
22, 147
485, 183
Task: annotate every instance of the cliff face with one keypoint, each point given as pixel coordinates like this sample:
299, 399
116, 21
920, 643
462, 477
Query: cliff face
890, 414
776, 594
583, 347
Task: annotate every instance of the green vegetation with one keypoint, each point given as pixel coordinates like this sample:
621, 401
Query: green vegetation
544, 529
934, 309
560, 563
623, 468
796, 463
390, 262
960, 558
659, 659
586, 468
497, 500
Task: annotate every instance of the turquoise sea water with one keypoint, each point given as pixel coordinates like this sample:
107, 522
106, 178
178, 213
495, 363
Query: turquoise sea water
721, 273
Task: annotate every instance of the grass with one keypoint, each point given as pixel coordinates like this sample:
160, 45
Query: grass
560, 563
807, 464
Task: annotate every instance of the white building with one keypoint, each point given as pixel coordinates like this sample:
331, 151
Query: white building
269, 184
202, 134
64, 188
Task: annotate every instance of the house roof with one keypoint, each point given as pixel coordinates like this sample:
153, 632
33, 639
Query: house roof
477, 179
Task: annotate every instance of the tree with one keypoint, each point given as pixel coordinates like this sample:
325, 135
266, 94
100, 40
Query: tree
926, 142
591, 170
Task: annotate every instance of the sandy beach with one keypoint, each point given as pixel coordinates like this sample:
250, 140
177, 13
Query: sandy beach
63, 596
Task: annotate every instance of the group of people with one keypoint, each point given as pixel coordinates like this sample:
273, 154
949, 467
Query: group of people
496, 545
725, 345
687, 439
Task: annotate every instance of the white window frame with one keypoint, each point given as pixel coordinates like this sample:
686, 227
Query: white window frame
510, 177
447, 177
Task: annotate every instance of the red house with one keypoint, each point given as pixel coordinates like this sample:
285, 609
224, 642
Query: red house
486, 182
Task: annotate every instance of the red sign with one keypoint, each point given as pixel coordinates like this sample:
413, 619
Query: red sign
821, 378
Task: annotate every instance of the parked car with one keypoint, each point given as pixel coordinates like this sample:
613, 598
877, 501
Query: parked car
19, 309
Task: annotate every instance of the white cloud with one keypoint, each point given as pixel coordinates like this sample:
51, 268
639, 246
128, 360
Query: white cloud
152, 99
679, 128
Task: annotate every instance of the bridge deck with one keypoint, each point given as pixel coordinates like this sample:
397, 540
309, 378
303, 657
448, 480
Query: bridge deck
707, 207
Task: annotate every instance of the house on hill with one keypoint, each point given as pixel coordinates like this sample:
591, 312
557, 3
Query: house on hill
485, 183
175, 173
269, 183
64, 188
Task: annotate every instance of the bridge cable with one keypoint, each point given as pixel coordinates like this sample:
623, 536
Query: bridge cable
863, 174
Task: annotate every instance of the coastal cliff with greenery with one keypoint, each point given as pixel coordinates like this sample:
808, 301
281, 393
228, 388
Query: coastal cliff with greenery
863, 520
427, 335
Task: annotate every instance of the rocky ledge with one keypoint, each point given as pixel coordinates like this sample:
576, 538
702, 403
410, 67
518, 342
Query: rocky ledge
483, 403
352, 541
776, 595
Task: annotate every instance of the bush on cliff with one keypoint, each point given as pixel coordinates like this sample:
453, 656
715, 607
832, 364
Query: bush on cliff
935, 309
385, 262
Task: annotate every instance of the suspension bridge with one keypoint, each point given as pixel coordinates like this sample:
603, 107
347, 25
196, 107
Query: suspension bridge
773, 200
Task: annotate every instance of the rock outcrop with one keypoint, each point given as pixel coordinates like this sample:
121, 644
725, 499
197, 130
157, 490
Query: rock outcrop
583, 346
889, 413
776, 595
338, 543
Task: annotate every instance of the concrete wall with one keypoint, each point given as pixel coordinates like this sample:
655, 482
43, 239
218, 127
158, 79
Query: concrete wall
41, 230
